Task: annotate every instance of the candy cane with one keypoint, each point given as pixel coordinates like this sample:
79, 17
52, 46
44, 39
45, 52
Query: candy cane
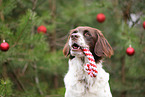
90, 67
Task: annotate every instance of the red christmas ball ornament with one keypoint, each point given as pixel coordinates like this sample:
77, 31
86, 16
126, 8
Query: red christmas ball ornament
4, 46
100, 17
130, 51
41, 29
144, 24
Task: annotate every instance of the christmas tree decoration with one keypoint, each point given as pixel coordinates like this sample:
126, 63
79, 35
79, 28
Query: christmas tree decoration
100, 17
130, 51
4, 46
41, 29
144, 24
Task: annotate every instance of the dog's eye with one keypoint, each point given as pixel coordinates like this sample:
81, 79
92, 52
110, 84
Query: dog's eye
86, 33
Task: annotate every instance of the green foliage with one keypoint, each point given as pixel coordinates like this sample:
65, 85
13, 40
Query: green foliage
31, 56
58, 93
58, 64
5, 88
7, 7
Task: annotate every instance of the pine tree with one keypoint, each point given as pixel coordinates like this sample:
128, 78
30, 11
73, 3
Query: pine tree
34, 64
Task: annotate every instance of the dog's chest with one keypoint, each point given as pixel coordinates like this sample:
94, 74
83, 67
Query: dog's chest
82, 81
86, 82
78, 82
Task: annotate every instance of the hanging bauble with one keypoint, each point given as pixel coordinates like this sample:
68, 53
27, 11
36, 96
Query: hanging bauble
144, 24
130, 51
4, 46
41, 29
100, 17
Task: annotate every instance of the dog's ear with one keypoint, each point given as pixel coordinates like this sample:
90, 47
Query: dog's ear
102, 47
66, 49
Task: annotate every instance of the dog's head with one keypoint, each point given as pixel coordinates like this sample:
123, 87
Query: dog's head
87, 37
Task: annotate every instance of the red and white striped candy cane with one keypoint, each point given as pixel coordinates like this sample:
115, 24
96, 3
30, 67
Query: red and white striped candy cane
90, 67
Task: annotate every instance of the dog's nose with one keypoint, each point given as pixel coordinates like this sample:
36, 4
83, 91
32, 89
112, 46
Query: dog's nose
74, 36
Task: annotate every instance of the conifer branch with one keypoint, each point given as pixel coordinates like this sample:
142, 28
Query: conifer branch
20, 34
33, 8
17, 79
37, 79
62, 38
25, 68
34, 5
1, 13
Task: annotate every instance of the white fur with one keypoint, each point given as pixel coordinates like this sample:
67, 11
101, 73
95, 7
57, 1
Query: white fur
81, 42
78, 83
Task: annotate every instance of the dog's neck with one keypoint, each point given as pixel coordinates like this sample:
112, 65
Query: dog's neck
77, 63
76, 66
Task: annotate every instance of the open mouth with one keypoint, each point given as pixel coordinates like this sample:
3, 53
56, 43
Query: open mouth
76, 47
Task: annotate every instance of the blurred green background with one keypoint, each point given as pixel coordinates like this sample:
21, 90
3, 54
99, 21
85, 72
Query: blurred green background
35, 66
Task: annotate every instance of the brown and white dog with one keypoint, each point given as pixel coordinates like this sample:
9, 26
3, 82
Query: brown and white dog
77, 82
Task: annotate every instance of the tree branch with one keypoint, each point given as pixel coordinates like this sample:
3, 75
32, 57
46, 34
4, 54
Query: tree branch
25, 68
37, 79
18, 81
135, 22
62, 38
34, 5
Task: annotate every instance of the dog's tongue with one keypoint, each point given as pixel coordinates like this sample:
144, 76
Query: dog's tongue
75, 47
